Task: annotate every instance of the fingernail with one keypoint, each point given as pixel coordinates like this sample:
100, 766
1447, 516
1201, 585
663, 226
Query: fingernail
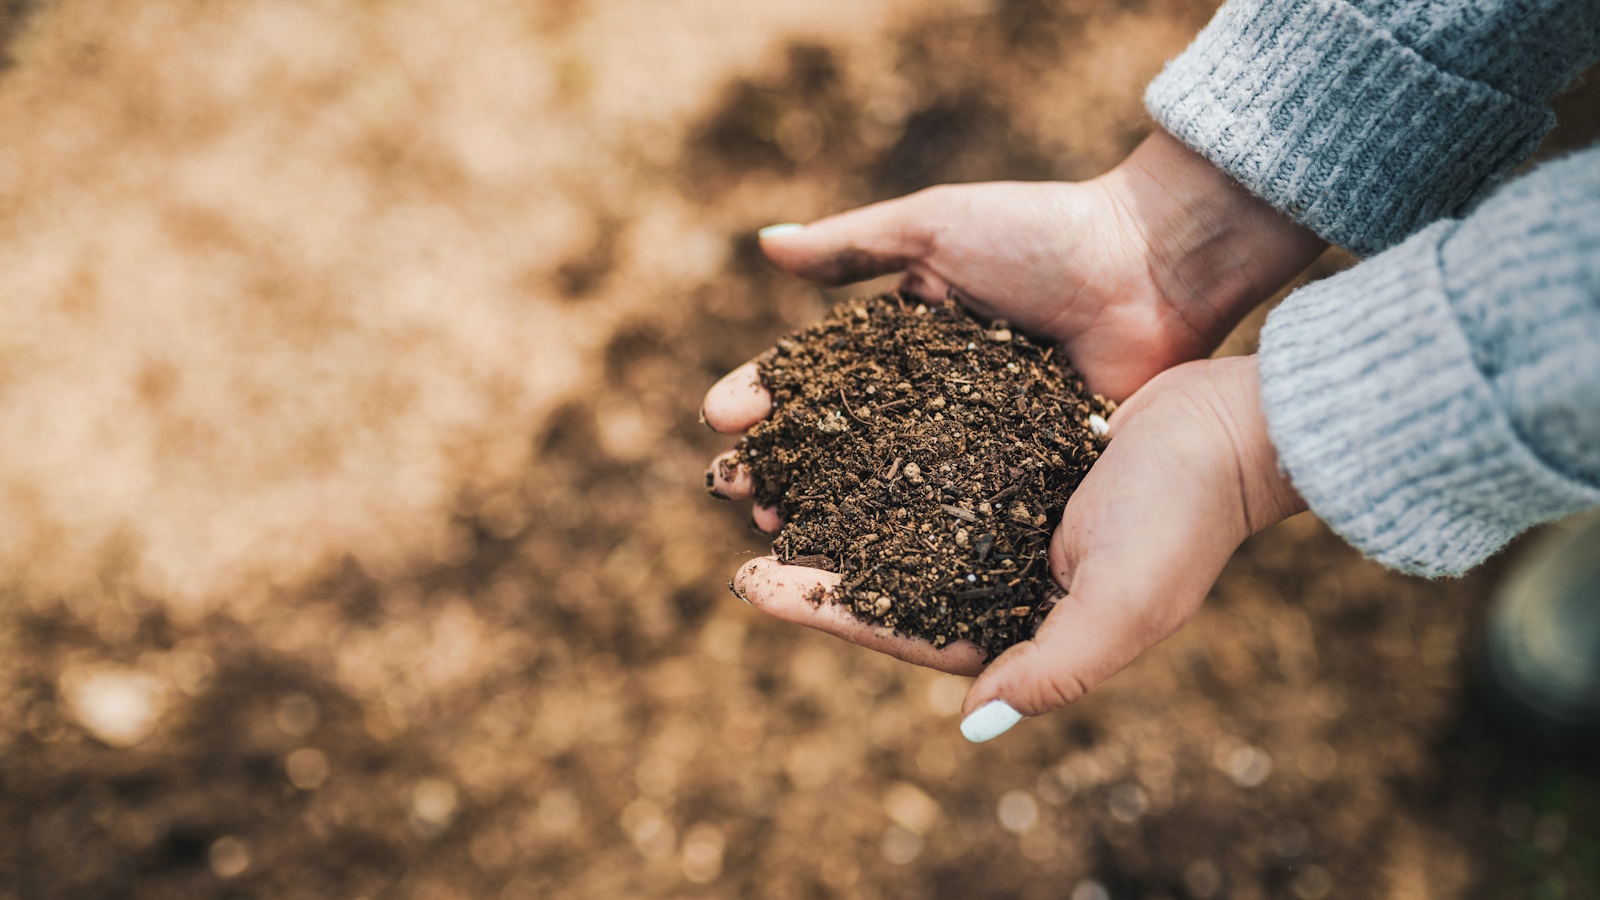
772, 231
737, 585
989, 721
734, 590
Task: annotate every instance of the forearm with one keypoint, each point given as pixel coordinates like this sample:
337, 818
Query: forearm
1367, 119
1442, 397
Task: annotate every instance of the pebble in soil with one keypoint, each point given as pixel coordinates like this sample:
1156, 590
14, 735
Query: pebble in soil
926, 458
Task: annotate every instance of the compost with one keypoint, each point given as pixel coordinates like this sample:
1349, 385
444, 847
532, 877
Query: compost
926, 457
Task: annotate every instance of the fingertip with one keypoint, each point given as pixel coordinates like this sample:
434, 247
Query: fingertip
741, 578
737, 401
989, 721
852, 246
784, 247
727, 480
766, 519
786, 592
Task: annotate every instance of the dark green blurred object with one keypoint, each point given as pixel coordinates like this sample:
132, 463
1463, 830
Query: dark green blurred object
1540, 668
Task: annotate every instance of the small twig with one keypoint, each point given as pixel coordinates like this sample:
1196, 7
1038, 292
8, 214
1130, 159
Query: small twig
849, 410
958, 512
894, 469
1006, 493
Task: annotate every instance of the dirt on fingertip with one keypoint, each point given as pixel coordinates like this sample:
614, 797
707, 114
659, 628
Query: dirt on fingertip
926, 457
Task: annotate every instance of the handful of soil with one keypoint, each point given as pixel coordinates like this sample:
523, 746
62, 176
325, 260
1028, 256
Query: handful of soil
926, 459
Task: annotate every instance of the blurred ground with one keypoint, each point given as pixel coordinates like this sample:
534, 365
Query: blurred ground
351, 533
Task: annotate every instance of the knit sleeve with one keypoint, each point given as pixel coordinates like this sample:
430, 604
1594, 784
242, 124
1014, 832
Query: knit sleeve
1367, 119
1440, 398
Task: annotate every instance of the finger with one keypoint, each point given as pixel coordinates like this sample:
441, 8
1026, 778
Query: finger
727, 480
766, 519
737, 401
1079, 645
860, 244
798, 594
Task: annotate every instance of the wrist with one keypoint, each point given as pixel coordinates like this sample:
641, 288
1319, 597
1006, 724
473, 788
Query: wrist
1214, 249
1267, 496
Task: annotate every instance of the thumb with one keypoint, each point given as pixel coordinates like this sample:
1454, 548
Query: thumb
1140, 544
857, 245
1087, 638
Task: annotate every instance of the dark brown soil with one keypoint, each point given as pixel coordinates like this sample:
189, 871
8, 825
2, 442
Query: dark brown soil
926, 458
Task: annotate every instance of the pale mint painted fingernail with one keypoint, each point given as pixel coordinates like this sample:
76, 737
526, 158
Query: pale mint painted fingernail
779, 230
989, 721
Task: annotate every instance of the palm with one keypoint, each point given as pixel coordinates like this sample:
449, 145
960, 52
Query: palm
1164, 490
1188, 475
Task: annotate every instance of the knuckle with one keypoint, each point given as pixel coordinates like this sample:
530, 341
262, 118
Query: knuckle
1061, 688
1047, 687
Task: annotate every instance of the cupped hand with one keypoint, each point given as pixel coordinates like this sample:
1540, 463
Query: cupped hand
1189, 473
1142, 268
1138, 270
734, 404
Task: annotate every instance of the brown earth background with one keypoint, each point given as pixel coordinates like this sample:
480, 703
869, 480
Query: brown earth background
352, 542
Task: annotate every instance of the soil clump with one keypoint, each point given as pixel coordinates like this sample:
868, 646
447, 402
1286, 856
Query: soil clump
926, 458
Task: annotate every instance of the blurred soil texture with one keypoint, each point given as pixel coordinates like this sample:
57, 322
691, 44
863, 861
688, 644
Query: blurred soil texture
352, 537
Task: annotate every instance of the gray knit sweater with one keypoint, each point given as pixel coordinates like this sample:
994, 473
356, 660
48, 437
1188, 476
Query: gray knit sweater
1444, 395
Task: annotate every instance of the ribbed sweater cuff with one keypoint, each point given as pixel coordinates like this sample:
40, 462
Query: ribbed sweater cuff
1389, 430
1314, 107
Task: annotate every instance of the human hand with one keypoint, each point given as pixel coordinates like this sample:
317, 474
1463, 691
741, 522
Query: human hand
1142, 268
1189, 474
1133, 272
732, 406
